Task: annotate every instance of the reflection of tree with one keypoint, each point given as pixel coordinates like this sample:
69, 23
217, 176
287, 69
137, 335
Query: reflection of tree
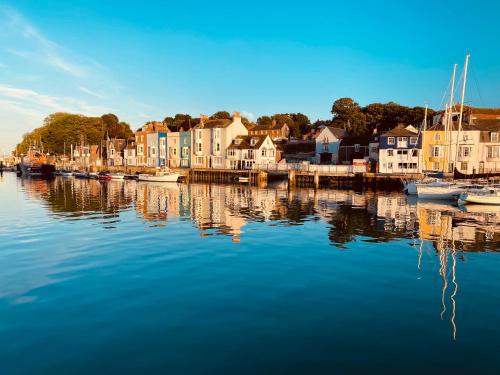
75, 198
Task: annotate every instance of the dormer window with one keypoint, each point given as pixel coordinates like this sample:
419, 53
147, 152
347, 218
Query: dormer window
391, 140
254, 141
413, 140
494, 137
237, 141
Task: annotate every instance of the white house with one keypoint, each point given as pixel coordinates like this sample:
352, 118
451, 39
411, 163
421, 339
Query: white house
400, 151
248, 150
327, 145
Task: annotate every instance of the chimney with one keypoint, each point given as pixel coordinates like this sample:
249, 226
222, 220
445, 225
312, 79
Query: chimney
273, 123
236, 116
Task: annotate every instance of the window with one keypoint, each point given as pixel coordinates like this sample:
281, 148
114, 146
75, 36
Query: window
264, 152
198, 147
198, 134
402, 139
391, 140
437, 137
325, 147
466, 137
185, 151
153, 151
464, 151
356, 148
494, 137
414, 153
493, 151
230, 152
217, 146
390, 152
435, 151
413, 140
402, 152
463, 166
435, 166
389, 165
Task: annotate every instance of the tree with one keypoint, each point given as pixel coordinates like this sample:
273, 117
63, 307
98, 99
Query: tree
347, 114
221, 115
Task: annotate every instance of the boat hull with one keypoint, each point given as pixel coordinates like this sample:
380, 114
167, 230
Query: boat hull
480, 199
173, 177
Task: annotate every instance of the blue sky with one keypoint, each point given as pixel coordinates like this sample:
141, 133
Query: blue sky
146, 60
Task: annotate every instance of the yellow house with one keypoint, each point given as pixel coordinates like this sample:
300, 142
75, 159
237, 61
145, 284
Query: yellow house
436, 150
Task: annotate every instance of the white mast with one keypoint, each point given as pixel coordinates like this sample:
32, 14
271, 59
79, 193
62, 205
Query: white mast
449, 121
466, 66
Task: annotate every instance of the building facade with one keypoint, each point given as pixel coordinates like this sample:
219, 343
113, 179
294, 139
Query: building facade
185, 149
327, 145
400, 151
247, 151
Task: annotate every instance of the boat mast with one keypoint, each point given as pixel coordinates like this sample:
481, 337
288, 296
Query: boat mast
460, 117
449, 121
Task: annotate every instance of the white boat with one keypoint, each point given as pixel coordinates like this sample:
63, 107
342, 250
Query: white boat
117, 176
160, 176
243, 179
66, 173
489, 196
445, 190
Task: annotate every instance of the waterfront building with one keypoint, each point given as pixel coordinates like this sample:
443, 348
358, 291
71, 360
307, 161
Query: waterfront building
130, 154
162, 150
141, 141
114, 152
248, 150
274, 130
211, 138
173, 151
327, 145
400, 151
185, 148
353, 147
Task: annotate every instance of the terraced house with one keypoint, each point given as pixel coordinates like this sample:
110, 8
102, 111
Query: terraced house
248, 151
400, 151
211, 138
145, 149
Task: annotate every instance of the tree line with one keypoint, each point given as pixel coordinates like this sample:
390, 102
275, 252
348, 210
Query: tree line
60, 129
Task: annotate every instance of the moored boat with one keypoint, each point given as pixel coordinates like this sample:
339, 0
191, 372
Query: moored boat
160, 176
79, 174
104, 176
117, 176
488, 196
66, 173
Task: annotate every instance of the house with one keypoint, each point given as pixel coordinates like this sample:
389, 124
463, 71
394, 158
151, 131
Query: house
81, 156
274, 130
185, 148
130, 154
400, 151
141, 139
353, 147
211, 138
173, 141
373, 146
114, 151
489, 146
327, 145
248, 150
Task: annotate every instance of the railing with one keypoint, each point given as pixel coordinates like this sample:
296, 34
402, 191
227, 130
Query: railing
285, 167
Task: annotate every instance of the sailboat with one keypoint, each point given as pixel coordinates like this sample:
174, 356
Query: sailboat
442, 189
490, 196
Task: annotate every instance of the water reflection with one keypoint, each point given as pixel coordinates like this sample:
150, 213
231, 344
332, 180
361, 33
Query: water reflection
226, 209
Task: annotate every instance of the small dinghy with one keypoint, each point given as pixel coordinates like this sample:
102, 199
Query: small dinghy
160, 176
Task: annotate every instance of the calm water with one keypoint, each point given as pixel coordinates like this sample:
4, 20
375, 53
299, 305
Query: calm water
127, 277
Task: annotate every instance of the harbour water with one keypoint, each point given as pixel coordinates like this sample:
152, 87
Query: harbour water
128, 277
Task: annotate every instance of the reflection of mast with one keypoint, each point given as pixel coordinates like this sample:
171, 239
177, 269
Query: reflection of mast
455, 290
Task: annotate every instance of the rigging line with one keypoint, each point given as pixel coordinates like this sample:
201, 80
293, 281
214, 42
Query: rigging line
476, 84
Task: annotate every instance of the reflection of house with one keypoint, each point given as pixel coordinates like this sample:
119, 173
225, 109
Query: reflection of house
274, 130
246, 151
327, 145
399, 151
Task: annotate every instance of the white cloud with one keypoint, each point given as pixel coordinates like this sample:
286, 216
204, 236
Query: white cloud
48, 50
91, 93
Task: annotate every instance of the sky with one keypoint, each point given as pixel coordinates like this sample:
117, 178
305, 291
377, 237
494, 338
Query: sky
150, 59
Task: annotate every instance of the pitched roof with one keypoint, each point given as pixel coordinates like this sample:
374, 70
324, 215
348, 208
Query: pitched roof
272, 126
487, 125
337, 132
244, 142
216, 123
399, 132
465, 127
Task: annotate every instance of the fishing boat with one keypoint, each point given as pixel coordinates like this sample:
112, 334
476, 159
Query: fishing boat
489, 196
160, 176
35, 164
117, 176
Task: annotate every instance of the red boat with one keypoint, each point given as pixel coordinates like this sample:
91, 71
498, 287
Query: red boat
104, 176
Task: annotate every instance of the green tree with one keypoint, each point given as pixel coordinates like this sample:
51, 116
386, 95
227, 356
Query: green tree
221, 115
348, 115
